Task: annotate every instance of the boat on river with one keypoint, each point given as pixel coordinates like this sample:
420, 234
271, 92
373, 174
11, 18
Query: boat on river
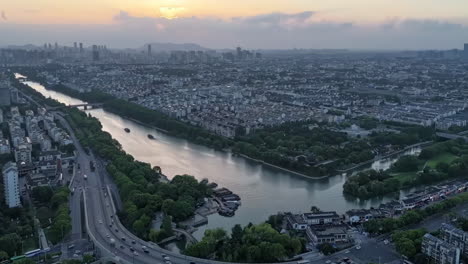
150, 136
127, 130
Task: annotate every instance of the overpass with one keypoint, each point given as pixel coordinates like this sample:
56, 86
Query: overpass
85, 106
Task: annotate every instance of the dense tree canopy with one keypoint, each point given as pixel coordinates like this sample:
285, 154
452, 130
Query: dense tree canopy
254, 243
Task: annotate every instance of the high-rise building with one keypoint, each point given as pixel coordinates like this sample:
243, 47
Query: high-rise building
465, 51
14, 96
81, 47
75, 45
5, 93
439, 251
10, 182
95, 53
56, 46
149, 49
239, 53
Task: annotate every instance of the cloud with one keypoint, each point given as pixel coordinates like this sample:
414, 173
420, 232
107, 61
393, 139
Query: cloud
3, 15
265, 31
277, 19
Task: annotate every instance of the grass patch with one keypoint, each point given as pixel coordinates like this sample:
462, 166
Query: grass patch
404, 177
443, 157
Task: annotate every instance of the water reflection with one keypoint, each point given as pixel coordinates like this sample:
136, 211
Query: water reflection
264, 190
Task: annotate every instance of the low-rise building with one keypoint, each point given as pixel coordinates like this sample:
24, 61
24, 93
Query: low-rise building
4, 146
23, 154
327, 234
321, 218
355, 216
37, 179
439, 251
296, 222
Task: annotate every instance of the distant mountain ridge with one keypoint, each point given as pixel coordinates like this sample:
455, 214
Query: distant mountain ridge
160, 47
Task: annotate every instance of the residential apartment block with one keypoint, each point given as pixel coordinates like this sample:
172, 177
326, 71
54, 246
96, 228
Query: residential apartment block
439, 251
11, 185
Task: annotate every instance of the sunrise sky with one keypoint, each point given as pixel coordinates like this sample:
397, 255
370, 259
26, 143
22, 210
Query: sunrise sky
223, 23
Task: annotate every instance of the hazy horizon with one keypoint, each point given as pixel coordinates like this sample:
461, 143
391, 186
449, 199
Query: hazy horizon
261, 24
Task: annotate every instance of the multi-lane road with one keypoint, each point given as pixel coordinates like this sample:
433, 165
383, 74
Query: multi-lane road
101, 221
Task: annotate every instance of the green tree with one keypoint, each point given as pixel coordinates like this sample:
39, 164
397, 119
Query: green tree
3, 255
10, 243
42, 194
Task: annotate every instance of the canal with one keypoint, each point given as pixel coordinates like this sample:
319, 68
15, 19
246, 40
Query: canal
264, 191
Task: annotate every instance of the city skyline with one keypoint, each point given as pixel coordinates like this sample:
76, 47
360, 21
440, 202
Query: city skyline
362, 24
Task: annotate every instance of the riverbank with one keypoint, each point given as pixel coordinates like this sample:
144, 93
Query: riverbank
272, 190
395, 153
281, 168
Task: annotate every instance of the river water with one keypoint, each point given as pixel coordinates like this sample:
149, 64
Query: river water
264, 191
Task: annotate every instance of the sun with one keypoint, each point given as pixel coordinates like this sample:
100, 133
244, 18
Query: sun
171, 12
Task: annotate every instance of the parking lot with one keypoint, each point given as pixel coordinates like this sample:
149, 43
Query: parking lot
367, 250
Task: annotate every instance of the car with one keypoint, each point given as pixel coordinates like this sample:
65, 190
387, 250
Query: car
166, 258
100, 221
71, 246
122, 247
123, 239
358, 247
133, 242
135, 253
347, 252
132, 249
107, 235
191, 262
116, 230
110, 225
386, 241
168, 262
112, 216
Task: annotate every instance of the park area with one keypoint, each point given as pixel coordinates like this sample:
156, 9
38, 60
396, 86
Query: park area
438, 162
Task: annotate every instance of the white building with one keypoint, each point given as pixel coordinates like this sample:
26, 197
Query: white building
10, 181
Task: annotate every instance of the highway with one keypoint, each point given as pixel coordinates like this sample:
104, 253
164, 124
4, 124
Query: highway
101, 221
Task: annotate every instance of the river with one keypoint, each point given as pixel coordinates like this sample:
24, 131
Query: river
264, 191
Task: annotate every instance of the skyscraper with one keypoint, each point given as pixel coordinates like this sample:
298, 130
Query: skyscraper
10, 182
465, 52
95, 53
81, 47
149, 49
75, 46
4, 93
